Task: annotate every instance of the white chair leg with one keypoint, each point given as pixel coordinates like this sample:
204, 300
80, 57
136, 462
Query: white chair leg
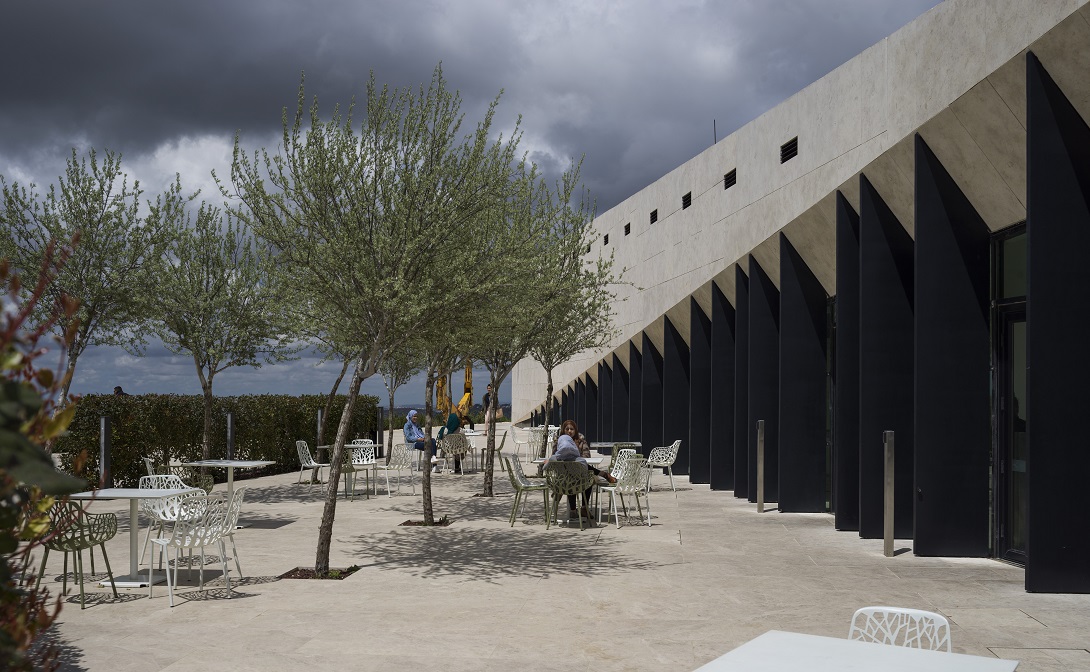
647, 501
389, 493
234, 553
670, 471
151, 564
170, 583
223, 561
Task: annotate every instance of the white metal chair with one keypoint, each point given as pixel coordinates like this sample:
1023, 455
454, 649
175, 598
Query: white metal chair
166, 509
520, 444
455, 447
537, 442
358, 457
307, 462
898, 626
663, 458
217, 522
522, 485
616, 465
400, 460
632, 480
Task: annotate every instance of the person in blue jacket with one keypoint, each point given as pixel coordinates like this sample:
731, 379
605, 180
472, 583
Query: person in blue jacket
414, 436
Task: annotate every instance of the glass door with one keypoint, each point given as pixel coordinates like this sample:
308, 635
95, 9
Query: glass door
1012, 487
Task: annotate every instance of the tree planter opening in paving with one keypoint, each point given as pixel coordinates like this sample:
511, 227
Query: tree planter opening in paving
308, 573
442, 522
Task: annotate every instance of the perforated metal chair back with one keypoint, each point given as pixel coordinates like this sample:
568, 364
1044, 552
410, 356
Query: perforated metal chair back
663, 458
899, 626
618, 458
567, 478
306, 461
72, 531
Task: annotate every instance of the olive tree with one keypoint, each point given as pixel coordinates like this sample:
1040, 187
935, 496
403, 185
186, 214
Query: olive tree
215, 297
113, 268
397, 369
366, 221
576, 292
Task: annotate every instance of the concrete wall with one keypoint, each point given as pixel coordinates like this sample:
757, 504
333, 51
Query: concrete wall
955, 75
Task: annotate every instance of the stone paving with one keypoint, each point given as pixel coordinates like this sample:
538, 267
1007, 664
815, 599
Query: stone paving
708, 575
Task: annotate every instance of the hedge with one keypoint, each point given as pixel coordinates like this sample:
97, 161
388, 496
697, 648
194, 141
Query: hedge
169, 427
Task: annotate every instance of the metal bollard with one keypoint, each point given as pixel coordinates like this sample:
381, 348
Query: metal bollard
760, 466
104, 471
887, 509
230, 435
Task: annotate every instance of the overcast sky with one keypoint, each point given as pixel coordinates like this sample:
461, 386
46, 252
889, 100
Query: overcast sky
634, 86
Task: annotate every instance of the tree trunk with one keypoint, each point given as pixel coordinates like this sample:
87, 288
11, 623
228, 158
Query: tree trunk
425, 479
490, 442
329, 403
390, 438
325, 530
548, 407
206, 447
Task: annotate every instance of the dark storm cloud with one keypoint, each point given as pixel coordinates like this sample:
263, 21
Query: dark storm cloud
633, 86
619, 82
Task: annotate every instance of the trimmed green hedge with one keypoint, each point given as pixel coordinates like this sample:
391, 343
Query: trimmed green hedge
168, 427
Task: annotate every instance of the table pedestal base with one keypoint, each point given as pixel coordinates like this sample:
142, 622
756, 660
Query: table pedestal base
137, 581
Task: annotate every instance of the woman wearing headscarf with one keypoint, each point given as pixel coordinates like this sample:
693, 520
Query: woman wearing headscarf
414, 436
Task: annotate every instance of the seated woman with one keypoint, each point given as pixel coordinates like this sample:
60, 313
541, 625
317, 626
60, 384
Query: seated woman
414, 436
454, 424
568, 450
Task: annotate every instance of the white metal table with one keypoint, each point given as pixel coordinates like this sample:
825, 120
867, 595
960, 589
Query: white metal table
776, 650
230, 465
599, 445
134, 579
592, 461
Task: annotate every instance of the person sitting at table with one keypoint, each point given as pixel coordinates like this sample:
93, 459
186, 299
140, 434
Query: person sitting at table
454, 424
415, 436
568, 451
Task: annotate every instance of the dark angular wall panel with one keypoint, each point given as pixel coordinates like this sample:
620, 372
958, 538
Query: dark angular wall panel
651, 422
1058, 230
605, 400
700, 393
579, 412
741, 383
620, 400
590, 427
721, 441
885, 364
764, 378
846, 370
635, 398
953, 367
675, 394
803, 381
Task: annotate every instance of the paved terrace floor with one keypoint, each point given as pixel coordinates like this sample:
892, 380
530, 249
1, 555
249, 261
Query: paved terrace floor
709, 575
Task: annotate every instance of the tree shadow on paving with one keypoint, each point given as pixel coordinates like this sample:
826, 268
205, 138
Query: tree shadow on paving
69, 656
288, 492
492, 554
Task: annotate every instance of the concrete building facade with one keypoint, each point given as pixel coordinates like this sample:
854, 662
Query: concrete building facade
895, 247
